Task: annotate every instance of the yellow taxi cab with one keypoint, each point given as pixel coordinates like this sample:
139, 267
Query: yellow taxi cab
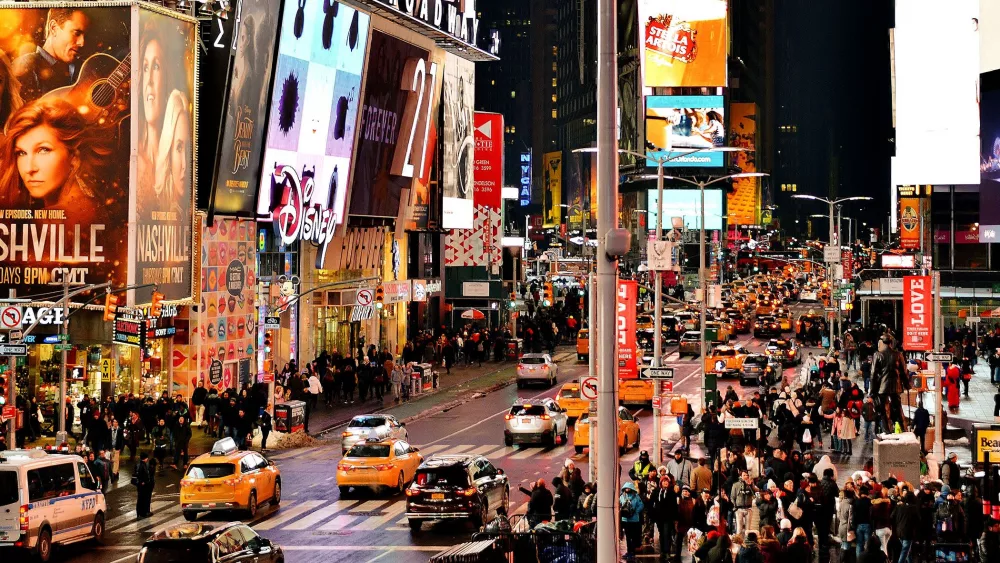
229, 479
569, 400
583, 344
628, 431
378, 465
726, 360
764, 306
633, 391
644, 321
784, 317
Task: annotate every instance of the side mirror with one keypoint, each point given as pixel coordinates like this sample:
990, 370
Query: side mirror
414, 449
500, 471
401, 424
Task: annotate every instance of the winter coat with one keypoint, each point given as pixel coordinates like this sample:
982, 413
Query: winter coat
750, 553
906, 521
768, 512
844, 515
562, 502
631, 496
771, 551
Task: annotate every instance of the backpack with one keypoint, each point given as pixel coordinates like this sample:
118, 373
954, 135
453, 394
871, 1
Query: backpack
626, 509
854, 411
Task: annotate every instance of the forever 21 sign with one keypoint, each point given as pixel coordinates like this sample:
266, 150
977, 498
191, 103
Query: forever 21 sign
419, 81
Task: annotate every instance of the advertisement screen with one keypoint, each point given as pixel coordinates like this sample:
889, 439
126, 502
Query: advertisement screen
684, 42
909, 223
989, 160
552, 180
314, 109
164, 195
687, 204
242, 142
931, 150
393, 66
918, 326
64, 196
458, 107
489, 159
743, 203
688, 122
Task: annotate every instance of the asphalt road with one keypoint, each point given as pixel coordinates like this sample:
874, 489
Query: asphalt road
315, 524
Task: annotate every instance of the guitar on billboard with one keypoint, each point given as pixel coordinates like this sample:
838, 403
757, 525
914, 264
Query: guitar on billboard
101, 92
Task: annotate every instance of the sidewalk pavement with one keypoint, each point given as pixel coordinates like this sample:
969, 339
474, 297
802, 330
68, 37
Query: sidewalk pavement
463, 381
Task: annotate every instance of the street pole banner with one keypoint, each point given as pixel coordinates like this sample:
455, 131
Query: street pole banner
909, 222
625, 329
918, 334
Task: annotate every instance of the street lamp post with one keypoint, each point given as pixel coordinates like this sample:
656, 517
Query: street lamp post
702, 278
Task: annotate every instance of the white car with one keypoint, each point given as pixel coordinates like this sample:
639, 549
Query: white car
536, 367
45, 500
372, 427
535, 421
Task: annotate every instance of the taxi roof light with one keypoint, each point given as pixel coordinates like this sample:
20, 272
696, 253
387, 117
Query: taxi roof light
224, 446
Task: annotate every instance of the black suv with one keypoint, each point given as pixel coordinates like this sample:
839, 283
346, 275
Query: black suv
456, 487
187, 543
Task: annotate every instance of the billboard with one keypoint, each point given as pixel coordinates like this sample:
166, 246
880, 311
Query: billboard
458, 108
909, 223
954, 140
398, 75
314, 109
743, 203
488, 173
989, 158
65, 173
163, 198
685, 42
686, 203
689, 122
552, 163
525, 190
625, 330
238, 163
918, 312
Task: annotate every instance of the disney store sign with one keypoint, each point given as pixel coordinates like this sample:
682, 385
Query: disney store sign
298, 217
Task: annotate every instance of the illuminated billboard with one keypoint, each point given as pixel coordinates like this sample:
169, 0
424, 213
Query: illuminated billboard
685, 122
684, 42
686, 203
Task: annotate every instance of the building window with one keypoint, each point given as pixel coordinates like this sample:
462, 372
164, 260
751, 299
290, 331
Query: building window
555, 114
554, 98
554, 82
512, 93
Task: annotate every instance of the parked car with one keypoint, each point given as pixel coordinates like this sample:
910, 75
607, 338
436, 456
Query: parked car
456, 487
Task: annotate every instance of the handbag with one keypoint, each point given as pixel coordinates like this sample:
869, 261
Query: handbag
794, 510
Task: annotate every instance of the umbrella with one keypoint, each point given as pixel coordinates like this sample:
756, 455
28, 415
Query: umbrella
474, 314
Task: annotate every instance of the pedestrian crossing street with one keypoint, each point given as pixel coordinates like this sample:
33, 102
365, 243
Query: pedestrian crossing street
493, 452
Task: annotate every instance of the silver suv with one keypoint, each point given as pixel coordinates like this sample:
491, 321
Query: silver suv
535, 421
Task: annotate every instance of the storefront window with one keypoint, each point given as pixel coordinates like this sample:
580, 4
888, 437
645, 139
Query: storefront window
334, 330
155, 367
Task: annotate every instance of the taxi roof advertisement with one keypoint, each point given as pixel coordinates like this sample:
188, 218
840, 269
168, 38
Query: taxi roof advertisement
684, 42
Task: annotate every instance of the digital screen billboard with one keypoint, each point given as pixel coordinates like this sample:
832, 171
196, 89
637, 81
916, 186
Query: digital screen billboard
989, 158
458, 107
929, 149
684, 42
314, 109
685, 122
686, 203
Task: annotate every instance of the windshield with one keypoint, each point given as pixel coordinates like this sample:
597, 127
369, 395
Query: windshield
369, 450
211, 470
367, 422
689, 336
8, 487
570, 392
453, 476
755, 361
533, 361
527, 410
181, 553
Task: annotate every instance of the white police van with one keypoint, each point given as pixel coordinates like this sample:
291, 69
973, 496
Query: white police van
47, 499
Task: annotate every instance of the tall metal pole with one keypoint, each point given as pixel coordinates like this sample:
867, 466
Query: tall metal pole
703, 282
64, 330
657, 314
12, 392
607, 270
592, 371
834, 242
938, 346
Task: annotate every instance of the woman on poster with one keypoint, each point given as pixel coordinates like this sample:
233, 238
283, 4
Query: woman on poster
173, 180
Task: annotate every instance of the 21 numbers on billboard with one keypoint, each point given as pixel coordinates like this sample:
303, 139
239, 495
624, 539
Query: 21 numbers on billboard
419, 88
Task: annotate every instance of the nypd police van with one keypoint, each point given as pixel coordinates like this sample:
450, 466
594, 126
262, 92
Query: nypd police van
45, 500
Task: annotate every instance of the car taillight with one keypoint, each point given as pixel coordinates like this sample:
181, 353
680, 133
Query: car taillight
343, 467
412, 492
345, 434
468, 492
544, 417
23, 519
383, 467
186, 482
520, 366
508, 417
231, 482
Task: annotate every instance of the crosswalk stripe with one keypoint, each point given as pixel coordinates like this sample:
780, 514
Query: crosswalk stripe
339, 523
286, 515
147, 523
526, 453
497, 453
377, 522
460, 449
556, 452
482, 449
319, 515
131, 515
431, 449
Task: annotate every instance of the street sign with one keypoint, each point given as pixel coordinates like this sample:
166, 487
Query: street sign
15, 335
272, 323
63, 338
13, 350
10, 317
667, 386
937, 357
107, 369
656, 401
588, 388
831, 254
830, 309
3, 338
63, 347
741, 423
974, 319
9, 412
656, 373
364, 297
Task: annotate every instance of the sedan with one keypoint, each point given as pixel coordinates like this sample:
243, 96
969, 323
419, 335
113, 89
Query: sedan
534, 368
691, 343
784, 350
535, 421
766, 326
366, 427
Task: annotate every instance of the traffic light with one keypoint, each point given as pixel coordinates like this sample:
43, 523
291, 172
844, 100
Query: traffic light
547, 298
156, 308
267, 342
379, 296
512, 304
110, 306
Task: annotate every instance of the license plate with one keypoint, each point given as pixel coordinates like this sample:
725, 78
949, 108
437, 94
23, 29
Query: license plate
206, 487
437, 496
525, 421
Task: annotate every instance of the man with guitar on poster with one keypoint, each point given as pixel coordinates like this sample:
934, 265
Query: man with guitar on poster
56, 63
